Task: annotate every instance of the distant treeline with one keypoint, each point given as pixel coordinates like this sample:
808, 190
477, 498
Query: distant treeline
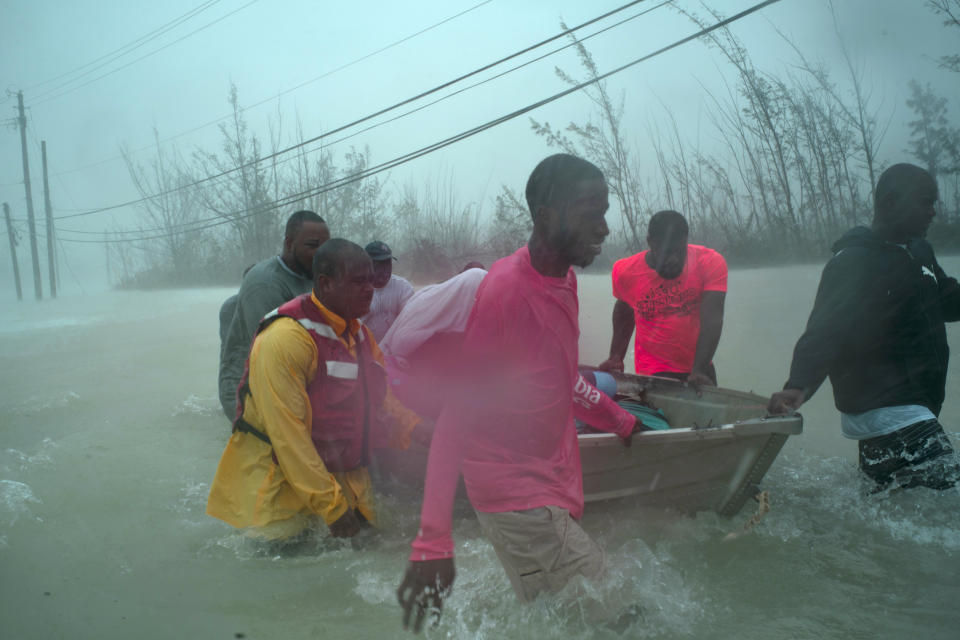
794, 169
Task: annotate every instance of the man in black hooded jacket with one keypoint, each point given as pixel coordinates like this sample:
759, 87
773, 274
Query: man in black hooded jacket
877, 330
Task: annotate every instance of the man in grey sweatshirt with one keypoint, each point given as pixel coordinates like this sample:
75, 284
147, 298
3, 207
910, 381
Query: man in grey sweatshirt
265, 287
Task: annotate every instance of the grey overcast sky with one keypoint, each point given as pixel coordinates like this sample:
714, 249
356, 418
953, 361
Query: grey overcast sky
271, 47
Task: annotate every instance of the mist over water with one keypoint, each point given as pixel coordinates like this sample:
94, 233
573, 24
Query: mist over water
111, 432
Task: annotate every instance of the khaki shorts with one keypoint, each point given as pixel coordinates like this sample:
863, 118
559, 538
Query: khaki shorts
541, 549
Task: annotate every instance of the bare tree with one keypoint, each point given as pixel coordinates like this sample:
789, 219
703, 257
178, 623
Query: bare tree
359, 208
603, 143
169, 204
313, 168
511, 224
949, 10
858, 111
242, 196
439, 232
932, 141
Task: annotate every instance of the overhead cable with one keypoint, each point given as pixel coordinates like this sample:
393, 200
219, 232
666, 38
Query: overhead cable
355, 122
47, 97
411, 111
131, 46
285, 91
456, 138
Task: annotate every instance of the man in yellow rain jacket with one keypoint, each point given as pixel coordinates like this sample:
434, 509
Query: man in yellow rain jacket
314, 402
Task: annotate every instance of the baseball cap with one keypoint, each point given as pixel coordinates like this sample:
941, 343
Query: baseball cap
378, 251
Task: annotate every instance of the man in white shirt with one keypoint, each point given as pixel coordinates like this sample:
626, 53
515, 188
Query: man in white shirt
390, 292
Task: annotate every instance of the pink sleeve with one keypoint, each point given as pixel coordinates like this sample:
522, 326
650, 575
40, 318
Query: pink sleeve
714, 271
435, 538
598, 410
482, 343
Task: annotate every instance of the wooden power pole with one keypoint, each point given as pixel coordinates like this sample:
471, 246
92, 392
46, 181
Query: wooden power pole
50, 233
37, 284
13, 250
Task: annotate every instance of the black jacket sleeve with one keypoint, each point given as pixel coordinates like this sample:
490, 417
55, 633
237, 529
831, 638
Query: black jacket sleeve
949, 294
832, 323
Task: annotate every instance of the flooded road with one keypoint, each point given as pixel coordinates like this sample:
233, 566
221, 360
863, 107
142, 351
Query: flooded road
111, 431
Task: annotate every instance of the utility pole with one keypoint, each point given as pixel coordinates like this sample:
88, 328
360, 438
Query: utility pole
49, 210
13, 250
37, 284
106, 249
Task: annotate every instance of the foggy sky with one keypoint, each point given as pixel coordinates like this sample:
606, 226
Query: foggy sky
269, 47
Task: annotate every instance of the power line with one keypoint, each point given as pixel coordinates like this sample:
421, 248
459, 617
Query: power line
63, 185
127, 48
456, 138
285, 91
358, 121
46, 97
168, 229
130, 46
36, 143
382, 111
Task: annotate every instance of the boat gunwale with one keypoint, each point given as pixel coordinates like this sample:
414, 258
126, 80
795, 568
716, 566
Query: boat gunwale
788, 425
677, 390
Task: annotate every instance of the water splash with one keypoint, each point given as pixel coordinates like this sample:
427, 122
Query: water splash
191, 503
14, 500
15, 460
828, 498
198, 406
38, 404
373, 589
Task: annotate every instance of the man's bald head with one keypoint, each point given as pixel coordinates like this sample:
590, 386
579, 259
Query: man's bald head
903, 203
343, 278
333, 254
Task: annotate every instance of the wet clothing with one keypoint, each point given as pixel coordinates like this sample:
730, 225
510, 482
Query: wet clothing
387, 303
919, 455
348, 383
541, 549
423, 347
880, 422
877, 326
436, 308
509, 424
667, 312
601, 380
304, 374
877, 330
266, 286
227, 309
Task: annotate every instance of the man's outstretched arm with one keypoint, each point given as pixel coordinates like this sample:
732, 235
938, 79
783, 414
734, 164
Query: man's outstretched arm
430, 572
424, 587
949, 294
597, 409
711, 325
836, 313
622, 331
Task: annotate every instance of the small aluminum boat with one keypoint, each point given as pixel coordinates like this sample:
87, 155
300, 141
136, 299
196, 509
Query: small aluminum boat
713, 457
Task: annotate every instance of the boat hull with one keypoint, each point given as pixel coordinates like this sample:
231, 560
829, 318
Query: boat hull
714, 462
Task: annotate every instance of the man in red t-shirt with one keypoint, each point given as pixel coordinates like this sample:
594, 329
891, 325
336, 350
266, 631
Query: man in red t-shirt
674, 294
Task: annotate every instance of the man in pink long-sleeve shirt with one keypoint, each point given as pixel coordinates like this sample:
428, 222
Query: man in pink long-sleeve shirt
509, 428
